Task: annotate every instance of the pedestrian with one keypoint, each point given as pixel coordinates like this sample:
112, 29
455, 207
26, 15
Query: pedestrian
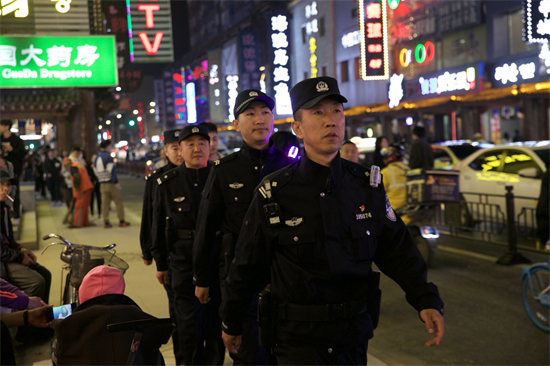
40, 182
349, 151
82, 190
421, 155
381, 142
14, 152
517, 137
162, 161
395, 176
105, 170
505, 138
52, 170
67, 188
96, 194
313, 229
175, 209
226, 198
213, 133
175, 159
28, 169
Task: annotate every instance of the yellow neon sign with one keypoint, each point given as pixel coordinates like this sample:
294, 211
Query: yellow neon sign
313, 57
62, 6
20, 8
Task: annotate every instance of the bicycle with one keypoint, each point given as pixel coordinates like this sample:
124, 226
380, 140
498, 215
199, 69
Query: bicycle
536, 294
80, 260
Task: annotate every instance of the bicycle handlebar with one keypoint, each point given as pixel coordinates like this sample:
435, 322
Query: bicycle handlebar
71, 245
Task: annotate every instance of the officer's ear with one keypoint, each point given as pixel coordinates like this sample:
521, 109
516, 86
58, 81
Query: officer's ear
297, 128
236, 124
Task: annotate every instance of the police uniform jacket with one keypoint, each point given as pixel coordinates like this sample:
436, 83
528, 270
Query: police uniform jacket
333, 226
145, 233
226, 198
177, 201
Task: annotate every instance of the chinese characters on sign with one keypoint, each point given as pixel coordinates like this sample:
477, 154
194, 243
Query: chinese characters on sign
281, 74
374, 39
169, 98
536, 21
116, 23
178, 84
150, 31
312, 28
57, 61
19, 8
250, 60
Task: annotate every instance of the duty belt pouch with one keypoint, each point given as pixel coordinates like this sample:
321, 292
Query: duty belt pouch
374, 297
228, 251
266, 321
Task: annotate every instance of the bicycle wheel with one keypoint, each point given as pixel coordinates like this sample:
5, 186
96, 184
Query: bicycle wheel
536, 296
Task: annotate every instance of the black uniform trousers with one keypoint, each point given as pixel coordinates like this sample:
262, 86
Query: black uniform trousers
178, 352
198, 325
297, 354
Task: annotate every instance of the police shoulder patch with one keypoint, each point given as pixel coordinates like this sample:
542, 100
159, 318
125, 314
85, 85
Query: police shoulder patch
390, 214
167, 176
225, 159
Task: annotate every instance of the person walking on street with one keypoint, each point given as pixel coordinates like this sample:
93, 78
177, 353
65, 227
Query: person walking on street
52, 170
40, 183
517, 136
176, 205
14, 152
421, 155
175, 159
313, 229
82, 190
105, 171
226, 198
349, 151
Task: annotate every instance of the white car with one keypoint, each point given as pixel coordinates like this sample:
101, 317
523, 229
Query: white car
485, 174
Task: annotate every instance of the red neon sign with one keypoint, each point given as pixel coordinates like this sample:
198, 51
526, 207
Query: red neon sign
373, 11
149, 17
150, 49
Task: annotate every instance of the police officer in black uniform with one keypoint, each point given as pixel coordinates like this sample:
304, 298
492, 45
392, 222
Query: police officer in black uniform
171, 149
226, 198
175, 209
314, 228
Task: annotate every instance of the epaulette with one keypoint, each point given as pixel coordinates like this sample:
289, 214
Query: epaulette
372, 175
150, 174
276, 180
166, 176
358, 170
225, 159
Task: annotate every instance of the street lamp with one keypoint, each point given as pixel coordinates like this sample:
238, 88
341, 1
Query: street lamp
135, 111
108, 122
99, 127
119, 116
139, 118
152, 104
152, 110
118, 88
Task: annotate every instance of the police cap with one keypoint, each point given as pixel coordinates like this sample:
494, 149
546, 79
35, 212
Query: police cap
171, 136
248, 96
191, 130
309, 92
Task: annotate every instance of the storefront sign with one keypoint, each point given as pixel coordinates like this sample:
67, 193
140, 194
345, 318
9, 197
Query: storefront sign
312, 28
422, 54
519, 71
150, 31
169, 98
160, 114
536, 21
249, 60
215, 86
57, 61
351, 39
281, 74
374, 39
180, 101
232, 85
116, 23
460, 80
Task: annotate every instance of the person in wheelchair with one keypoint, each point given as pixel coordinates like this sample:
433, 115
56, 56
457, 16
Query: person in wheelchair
83, 338
395, 178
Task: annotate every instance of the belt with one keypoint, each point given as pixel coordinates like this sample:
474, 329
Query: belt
320, 313
186, 234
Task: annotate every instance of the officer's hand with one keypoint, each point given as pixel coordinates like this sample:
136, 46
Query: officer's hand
434, 324
162, 276
202, 294
232, 343
147, 262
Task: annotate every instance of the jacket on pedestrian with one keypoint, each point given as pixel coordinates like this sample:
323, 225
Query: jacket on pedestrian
12, 297
80, 179
395, 183
421, 155
226, 198
105, 168
18, 153
83, 338
333, 224
53, 167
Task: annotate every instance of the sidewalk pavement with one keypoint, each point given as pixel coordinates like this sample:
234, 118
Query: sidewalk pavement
141, 283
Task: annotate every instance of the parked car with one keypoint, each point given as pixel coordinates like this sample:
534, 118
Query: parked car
448, 154
485, 174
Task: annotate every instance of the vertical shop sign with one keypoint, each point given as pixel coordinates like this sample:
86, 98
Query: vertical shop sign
312, 27
160, 117
116, 23
150, 31
169, 98
374, 39
281, 74
178, 85
495, 127
250, 60
215, 86
536, 21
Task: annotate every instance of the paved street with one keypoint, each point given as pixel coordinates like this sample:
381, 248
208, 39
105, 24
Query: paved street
485, 320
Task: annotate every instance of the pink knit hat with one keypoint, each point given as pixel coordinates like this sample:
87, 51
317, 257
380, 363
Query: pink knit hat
101, 280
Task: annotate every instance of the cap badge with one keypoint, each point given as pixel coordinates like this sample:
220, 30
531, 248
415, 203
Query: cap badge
322, 87
177, 134
195, 130
252, 94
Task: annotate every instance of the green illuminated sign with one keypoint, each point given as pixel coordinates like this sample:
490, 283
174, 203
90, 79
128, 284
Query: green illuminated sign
83, 61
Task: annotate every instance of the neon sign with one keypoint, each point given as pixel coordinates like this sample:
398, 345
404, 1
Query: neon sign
232, 85
423, 53
153, 42
462, 80
373, 31
311, 28
536, 20
351, 39
279, 25
191, 103
395, 92
509, 73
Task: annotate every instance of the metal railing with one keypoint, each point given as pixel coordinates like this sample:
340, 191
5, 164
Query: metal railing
136, 169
